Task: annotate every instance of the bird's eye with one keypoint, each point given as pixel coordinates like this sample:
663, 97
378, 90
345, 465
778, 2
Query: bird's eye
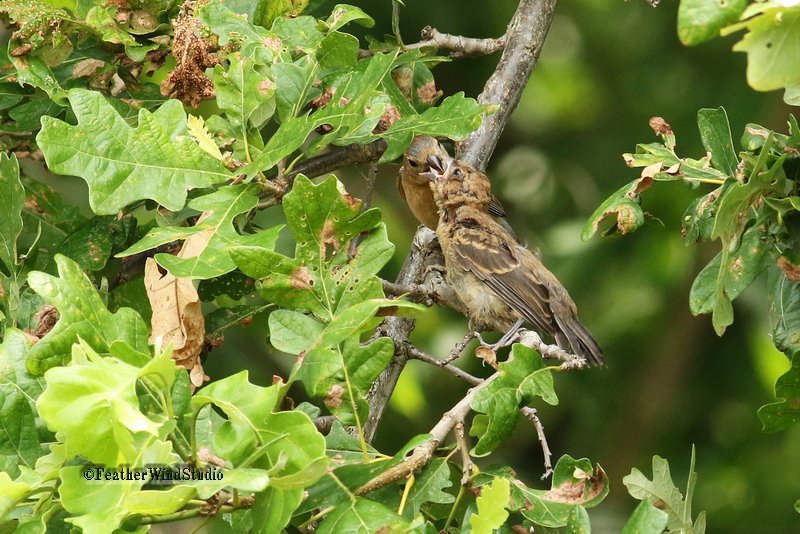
413, 163
458, 174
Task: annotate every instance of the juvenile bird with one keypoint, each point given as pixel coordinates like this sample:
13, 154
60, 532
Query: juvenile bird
502, 284
416, 190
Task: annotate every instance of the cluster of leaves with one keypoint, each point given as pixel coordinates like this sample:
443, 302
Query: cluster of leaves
753, 212
771, 40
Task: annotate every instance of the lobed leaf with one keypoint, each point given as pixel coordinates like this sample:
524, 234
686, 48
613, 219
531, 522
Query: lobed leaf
156, 160
81, 314
779, 415
522, 377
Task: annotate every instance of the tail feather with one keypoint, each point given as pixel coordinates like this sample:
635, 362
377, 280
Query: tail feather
580, 340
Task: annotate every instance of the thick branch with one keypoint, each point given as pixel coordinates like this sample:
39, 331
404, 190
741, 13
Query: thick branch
525, 38
458, 45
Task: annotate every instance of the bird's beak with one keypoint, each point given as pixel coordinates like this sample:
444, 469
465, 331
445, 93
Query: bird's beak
436, 164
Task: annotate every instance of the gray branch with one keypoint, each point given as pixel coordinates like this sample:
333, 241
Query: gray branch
458, 45
524, 39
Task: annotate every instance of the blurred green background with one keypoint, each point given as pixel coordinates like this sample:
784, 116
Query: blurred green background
607, 67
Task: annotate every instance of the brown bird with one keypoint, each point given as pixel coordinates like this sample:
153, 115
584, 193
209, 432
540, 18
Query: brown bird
502, 284
416, 190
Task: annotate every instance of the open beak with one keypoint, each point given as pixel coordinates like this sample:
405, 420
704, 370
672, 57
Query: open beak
436, 164
438, 167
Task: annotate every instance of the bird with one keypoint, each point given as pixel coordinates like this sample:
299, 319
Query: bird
502, 284
416, 190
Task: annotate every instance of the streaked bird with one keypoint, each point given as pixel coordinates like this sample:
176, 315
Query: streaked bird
502, 284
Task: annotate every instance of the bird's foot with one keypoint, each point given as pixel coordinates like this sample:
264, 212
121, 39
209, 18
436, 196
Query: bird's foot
434, 268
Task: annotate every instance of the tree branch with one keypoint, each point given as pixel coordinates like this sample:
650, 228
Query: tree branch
524, 40
458, 45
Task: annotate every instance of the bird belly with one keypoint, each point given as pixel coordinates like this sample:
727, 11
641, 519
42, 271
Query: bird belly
486, 311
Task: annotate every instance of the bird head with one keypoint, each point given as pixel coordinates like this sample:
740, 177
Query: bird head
455, 183
415, 158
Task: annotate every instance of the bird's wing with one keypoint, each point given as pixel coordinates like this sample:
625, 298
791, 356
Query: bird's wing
495, 208
496, 260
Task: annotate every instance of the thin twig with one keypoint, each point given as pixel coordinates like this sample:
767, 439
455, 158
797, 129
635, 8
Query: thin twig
417, 354
458, 45
531, 339
463, 447
458, 349
332, 160
422, 454
531, 415
528, 412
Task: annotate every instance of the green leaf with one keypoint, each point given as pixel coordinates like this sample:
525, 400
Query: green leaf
701, 20
244, 90
272, 9
456, 117
94, 405
152, 502
293, 332
337, 52
157, 160
343, 14
772, 44
11, 202
698, 219
522, 378
230, 26
244, 479
784, 311
286, 444
101, 19
429, 487
34, 72
82, 314
737, 198
95, 507
363, 516
715, 132
91, 245
290, 136
661, 491
624, 206
299, 34
322, 372
44, 209
575, 485
212, 236
273, 508
779, 415
19, 441
729, 274
646, 519
491, 505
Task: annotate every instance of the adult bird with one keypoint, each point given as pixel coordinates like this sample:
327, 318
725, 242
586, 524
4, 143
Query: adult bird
502, 284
